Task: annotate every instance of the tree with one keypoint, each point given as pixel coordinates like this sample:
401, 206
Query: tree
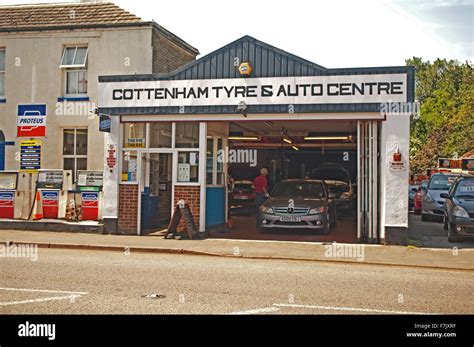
445, 90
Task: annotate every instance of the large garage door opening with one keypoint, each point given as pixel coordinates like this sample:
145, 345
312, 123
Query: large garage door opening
312, 179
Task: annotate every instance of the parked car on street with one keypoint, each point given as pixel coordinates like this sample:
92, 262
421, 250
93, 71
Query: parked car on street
432, 206
419, 197
298, 204
413, 189
459, 209
242, 197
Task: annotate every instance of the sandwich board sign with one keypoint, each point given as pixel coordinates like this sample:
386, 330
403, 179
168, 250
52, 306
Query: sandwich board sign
31, 120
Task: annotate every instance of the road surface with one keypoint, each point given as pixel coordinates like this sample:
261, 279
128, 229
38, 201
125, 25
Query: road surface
79, 281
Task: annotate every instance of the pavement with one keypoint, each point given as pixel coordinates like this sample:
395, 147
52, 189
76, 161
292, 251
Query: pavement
457, 258
70, 281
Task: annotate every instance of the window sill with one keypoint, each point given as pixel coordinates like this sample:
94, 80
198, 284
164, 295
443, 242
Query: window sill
73, 98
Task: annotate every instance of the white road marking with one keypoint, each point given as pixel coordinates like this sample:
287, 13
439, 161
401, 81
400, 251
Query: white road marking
69, 297
43, 291
355, 309
258, 310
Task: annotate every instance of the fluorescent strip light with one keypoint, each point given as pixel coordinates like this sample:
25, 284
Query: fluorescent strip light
287, 140
326, 138
295, 148
243, 138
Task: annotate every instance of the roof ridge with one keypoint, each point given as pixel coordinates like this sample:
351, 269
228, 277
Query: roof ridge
51, 4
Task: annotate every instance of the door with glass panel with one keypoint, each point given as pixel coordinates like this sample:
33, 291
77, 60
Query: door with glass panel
155, 191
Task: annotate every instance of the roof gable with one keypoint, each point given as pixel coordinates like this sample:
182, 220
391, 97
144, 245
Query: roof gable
266, 61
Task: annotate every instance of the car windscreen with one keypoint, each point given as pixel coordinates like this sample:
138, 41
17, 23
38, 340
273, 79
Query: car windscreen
337, 187
465, 188
299, 189
441, 182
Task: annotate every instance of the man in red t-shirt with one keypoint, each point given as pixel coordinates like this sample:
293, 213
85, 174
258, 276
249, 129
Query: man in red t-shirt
260, 186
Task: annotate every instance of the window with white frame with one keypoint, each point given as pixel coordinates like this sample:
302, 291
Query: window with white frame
2, 73
75, 149
74, 65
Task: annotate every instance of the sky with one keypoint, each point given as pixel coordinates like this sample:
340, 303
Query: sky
332, 33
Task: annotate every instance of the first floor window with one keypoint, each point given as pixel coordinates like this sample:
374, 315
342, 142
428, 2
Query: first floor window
2, 73
75, 150
74, 66
76, 82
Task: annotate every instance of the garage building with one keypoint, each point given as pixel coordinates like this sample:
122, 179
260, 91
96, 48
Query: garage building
194, 133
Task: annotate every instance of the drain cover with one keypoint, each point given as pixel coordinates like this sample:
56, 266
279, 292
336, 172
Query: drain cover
154, 296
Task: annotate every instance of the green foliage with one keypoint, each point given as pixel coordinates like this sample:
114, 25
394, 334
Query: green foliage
445, 90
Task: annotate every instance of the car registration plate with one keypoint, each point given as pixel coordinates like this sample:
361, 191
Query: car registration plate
290, 219
242, 197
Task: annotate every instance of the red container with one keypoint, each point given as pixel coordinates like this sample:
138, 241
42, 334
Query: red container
7, 204
90, 205
50, 202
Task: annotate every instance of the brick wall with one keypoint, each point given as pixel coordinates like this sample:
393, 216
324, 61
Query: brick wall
191, 195
167, 55
128, 208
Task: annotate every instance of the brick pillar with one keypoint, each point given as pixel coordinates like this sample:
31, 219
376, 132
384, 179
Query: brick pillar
128, 208
191, 195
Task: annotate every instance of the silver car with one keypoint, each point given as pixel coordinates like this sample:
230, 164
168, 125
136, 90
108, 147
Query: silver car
432, 205
298, 204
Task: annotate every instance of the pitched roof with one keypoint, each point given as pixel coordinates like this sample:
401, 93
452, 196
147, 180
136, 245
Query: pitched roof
469, 154
60, 15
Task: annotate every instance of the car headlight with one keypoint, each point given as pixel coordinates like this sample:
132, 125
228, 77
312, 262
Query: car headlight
266, 209
428, 197
458, 211
317, 210
345, 196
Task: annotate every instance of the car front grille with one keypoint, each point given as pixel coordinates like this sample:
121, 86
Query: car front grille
297, 211
469, 230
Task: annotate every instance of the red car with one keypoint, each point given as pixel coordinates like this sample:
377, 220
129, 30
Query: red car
242, 197
419, 197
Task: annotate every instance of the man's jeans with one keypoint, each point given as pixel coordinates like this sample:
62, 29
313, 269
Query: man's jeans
259, 200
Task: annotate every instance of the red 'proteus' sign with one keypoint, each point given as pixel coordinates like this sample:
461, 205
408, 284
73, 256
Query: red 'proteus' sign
31, 120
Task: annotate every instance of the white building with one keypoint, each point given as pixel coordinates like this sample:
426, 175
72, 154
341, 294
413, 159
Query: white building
52, 54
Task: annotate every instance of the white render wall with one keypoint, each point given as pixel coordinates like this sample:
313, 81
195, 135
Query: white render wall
111, 51
394, 185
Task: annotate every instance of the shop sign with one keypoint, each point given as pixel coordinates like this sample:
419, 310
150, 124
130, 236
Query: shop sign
31, 120
184, 172
111, 156
397, 165
446, 163
30, 155
333, 89
467, 164
105, 123
135, 142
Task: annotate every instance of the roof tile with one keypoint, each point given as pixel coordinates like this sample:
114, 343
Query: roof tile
64, 14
